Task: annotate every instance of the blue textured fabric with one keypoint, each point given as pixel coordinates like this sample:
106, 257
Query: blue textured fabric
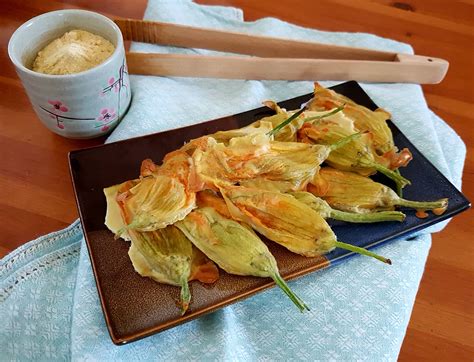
49, 307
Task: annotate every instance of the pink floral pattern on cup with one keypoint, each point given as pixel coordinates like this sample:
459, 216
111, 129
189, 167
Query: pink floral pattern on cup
106, 115
57, 105
113, 84
58, 108
58, 111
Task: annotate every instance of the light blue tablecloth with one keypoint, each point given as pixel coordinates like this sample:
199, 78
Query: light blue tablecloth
49, 307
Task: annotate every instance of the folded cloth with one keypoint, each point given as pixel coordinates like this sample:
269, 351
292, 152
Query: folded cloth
49, 307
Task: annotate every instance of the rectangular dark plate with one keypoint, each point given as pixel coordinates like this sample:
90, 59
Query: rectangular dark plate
135, 307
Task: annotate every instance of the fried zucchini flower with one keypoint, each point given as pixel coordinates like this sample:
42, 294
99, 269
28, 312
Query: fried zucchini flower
234, 247
356, 156
291, 164
281, 218
286, 221
326, 211
177, 164
202, 143
351, 192
168, 257
162, 195
165, 255
154, 202
364, 119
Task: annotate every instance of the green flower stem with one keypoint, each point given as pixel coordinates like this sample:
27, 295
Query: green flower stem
399, 180
285, 122
185, 296
399, 187
344, 141
423, 205
286, 289
297, 114
362, 251
321, 116
369, 217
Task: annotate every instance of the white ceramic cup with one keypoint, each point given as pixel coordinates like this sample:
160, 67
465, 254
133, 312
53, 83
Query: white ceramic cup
81, 105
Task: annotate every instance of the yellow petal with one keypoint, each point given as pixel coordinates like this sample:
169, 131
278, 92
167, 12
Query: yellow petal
234, 247
156, 202
348, 191
281, 218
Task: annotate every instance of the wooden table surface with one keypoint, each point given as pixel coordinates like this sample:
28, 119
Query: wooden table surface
35, 189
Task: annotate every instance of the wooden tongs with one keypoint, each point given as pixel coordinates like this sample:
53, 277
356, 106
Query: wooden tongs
270, 58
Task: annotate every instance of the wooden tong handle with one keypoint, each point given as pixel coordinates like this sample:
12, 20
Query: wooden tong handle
233, 42
230, 67
273, 58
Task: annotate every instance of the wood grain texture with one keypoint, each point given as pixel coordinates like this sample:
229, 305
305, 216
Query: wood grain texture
36, 196
406, 69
